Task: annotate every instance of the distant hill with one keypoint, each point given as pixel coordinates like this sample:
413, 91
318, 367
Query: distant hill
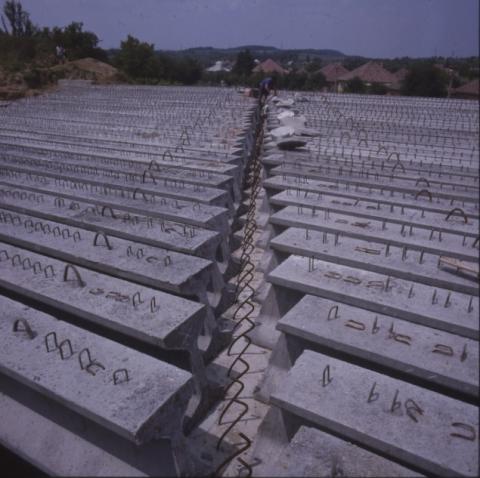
208, 55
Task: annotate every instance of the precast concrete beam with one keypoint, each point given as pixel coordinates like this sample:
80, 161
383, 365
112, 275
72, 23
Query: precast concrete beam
313, 453
372, 256
413, 426
440, 309
374, 196
197, 177
136, 201
377, 159
149, 315
143, 184
444, 190
432, 241
138, 228
363, 167
386, 343
396, 214
129, 393
141, 228
150, 266
169, 160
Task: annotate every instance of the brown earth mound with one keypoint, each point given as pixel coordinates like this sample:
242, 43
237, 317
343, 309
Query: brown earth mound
88, 69
35, 80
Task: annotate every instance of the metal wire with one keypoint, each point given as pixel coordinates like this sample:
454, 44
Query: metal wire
244, 293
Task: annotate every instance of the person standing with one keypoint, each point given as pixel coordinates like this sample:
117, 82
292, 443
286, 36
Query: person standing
266, 86
60, 52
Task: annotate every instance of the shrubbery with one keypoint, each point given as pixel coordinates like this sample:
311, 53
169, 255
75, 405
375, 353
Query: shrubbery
139, 61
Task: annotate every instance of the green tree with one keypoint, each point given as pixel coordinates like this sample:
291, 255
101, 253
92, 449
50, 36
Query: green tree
355, 85
378, 89
316, 81
425, 79
295, 81
187, 71
314, 65
137, 59
244, 63
78, 43
18, 18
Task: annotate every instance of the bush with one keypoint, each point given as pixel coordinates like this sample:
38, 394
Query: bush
425, 80
316, 81
378, 89
355, 85
34, 78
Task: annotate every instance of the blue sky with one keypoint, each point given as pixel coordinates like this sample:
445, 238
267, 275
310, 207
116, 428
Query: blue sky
373, 28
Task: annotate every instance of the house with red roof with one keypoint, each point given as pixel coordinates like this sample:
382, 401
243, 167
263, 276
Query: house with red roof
269, 66
470, 90
332, 72
370, 73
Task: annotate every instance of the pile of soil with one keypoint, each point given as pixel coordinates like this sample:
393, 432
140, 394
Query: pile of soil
34, 81
88, 69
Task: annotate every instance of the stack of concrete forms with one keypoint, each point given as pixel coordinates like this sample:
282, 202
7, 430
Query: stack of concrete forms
371, 297
117, 212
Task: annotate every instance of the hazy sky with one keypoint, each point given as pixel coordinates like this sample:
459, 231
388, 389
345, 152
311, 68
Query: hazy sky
374, 28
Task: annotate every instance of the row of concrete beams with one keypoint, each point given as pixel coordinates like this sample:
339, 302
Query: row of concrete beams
366, 178
404, 422
140, 228
166, 168
192, 138
135, 310
385, 165
144, 183
52, 228
44, 353
441, 309
455, 222
159, 268
133, 200
241, 110
373, 196
115, 399
357, 278
432, 358
394, 133
121, 147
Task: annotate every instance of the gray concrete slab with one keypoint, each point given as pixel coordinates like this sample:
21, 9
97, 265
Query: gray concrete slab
139, 228
201, 148
431, 241
188, 212
161, 172
51, 450
430, 355
437, 308
395, 214
214, 167
147, 184
376, 159
151, 266
369, 194
447, 191
398, 172
314, 453
152, 316
49, 360
413, 426
405, 264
